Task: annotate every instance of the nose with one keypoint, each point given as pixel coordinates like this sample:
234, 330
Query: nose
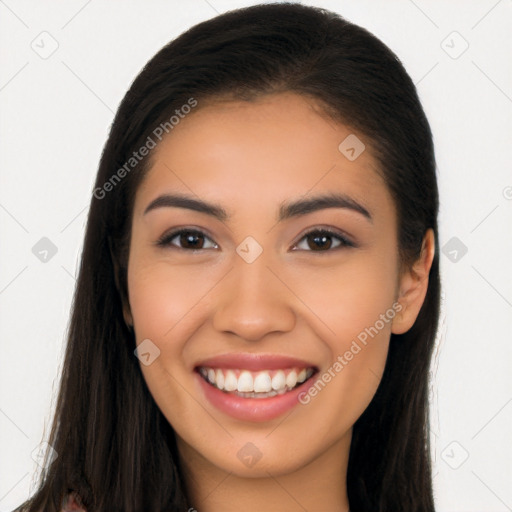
254, 301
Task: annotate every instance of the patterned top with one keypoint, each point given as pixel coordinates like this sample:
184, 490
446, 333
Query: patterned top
72, 504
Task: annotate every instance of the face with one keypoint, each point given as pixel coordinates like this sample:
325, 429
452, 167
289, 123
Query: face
268, 322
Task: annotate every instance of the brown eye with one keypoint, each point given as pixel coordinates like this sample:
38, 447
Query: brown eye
188, 239
321, 240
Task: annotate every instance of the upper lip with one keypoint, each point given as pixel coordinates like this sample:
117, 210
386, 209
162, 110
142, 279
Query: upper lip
254, 362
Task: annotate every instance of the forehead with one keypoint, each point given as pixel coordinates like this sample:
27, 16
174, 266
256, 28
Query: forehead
253, 155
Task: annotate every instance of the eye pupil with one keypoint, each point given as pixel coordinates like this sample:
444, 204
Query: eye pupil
188, 237
320, 241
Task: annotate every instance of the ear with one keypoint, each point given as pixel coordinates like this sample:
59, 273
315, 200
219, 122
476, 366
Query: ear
127, 314
413, 286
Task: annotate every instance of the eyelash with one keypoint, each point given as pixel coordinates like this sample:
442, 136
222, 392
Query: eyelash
165, 240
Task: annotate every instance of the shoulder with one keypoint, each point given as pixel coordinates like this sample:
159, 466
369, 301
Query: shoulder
72, 504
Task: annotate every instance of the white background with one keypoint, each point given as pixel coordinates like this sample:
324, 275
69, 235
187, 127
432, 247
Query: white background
55, 116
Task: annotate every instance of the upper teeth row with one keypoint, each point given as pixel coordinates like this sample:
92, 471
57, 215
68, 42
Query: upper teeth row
258, 382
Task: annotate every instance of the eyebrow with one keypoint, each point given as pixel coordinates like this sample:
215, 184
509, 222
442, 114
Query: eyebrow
287, 210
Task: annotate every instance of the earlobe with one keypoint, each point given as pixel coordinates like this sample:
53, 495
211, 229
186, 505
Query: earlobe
127, 316
413, 286
128, 319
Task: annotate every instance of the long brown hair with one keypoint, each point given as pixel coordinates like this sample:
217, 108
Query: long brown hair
114, 446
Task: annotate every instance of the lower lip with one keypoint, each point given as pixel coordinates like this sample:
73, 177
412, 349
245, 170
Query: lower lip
253, 409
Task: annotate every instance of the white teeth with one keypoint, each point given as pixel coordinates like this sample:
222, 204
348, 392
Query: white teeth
262, 383
219, 379
291, 379
255, 384
245, 382
230, 381
278, 381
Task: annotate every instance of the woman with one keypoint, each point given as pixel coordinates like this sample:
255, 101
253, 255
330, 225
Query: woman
258, 292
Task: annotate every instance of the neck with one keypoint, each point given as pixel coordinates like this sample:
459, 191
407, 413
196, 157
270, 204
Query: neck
318, 485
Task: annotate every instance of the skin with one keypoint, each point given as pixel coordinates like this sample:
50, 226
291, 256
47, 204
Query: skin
309, 303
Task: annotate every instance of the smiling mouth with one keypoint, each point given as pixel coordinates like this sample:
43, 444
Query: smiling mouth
255, 384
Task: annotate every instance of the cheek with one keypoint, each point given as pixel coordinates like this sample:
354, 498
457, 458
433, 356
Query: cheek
163, 298
165, 304
354, 304
168, 304
349, 296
